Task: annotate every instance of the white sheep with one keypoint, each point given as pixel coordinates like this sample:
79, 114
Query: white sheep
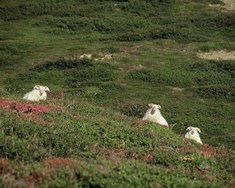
193, 134
153, 114
38, 93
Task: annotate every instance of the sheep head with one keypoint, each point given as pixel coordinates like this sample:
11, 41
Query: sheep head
42, 88
154, 107
192, 129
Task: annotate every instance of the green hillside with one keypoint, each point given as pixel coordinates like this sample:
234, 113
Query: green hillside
89, 133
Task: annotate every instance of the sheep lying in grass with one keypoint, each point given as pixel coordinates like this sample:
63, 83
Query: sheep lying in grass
38, 93
153, 114
193, 134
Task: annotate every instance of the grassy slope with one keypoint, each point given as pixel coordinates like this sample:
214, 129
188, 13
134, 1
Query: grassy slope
97, 139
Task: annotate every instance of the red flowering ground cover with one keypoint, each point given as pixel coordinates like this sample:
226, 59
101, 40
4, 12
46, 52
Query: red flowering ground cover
206, 150
56, 162
35, 178
28, 111
5, 167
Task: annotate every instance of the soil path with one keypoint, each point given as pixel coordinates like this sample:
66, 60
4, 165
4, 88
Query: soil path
218, 55
229, 4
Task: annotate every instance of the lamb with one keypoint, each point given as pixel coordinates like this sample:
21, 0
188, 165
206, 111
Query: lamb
193, 134
38, 93
153, 114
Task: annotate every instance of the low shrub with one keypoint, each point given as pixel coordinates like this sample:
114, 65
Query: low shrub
9, 56
166, 77
204, 78
203, 66
111, 49
225, 23
134, 110
216, 91
214, 65
63, 64
6, 60
97, 74
225, 66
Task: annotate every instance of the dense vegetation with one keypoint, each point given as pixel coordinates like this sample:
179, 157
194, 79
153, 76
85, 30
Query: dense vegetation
88, 133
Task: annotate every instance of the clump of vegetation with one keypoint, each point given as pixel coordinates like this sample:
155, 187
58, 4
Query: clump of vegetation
63, 64
167, 77
216, 91
134, 110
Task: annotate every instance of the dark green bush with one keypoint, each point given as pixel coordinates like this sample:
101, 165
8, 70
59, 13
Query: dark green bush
131, 36
114, 25
169, 158
93, 74
22, 11
211, 78
222, 22
63, 64
216, 91
111, 49
134, 110
8, 56
143, 75
210, 1
7, 60
203, 66
162, 77
34, 9
225, 66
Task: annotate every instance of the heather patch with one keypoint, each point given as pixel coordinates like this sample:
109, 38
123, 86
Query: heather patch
57, 162
205, 150
28, 111
28, 107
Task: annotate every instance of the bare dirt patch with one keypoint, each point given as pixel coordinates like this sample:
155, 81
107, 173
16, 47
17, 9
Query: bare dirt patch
228, 5
218, 55
131, 50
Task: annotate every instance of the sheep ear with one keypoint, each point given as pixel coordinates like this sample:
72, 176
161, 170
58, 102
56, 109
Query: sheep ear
198, 130
150, 105
159, 107
46, 88
188, 129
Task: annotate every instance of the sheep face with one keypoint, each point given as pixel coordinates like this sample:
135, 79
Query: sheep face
42, 88
43, 92
193, 134
154, 115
